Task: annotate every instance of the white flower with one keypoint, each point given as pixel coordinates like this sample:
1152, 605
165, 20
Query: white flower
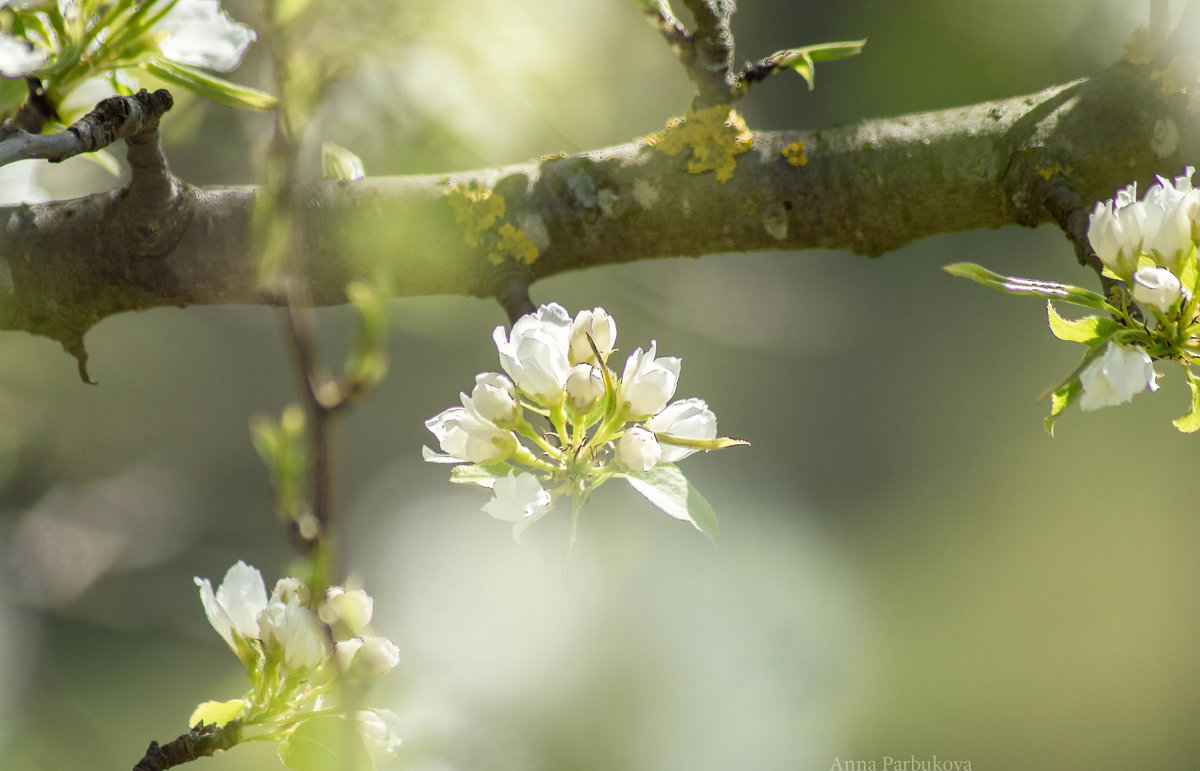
1115, 232
585, 386
350, 609
233, 611
366, 658
518, 498
378, 729
534, 354
602, 329
295, 634
638, 449
199, 33
648, 383
688, 419
1167, 229
494, 397
467, 437
1156, 287
1116, 377
18, 57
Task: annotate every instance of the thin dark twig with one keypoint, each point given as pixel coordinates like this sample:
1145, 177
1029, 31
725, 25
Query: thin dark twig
1064, 204
200, 742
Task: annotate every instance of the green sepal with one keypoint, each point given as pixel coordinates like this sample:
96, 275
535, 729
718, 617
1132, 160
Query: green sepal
218, 712
666, 487
483, 475
1191, 421
1060, 400
325, 743
1189, 275
1085, 330
1051, 290
803, 60
209, 86
367, 362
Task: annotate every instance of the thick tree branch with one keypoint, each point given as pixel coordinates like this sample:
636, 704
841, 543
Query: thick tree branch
868, 188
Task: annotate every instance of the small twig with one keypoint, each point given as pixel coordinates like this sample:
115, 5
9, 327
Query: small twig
711, 65
660, 17
200, 742
1064, 204
513, 296
116, 117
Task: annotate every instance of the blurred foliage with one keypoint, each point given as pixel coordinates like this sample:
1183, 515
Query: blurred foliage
908, 565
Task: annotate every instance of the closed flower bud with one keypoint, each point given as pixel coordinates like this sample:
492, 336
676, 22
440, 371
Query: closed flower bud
534, 353
494, 397
638, 450
585, 386
378, 730
366, 658
293, 633
1157, 288
598, 325
349, 610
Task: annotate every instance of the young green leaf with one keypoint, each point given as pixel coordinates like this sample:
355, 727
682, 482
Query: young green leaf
1029, 287
339, 163
803, 60
1060, 400
325, 743
1085, 330
209, 86
667, 488
218, 712
482, 475
1191, 421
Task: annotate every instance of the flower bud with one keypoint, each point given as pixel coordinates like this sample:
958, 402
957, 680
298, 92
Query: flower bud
1115, 377
494, 397
378, 730
366, 658
687, 419
638, 449
350, 610
1157, 288
585, 386
293, 633
648, 383
598, 325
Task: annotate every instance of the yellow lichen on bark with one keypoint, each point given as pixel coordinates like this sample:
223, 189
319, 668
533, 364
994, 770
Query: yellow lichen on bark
715, 136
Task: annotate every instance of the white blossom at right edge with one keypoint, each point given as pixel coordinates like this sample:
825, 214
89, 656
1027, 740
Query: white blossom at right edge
1156, 287
638, 449
518, 498
687, 419
199, 33
1116, 377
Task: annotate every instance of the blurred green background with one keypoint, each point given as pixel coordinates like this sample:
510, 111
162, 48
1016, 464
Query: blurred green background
908, 566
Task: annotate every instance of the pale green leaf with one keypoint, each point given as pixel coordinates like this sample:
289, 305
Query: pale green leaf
339, 163
325, 743
1062, 398
803, 60
1029, 287
1191, 421
475, 474
218, 712
666, 487
210, 86
1085, 330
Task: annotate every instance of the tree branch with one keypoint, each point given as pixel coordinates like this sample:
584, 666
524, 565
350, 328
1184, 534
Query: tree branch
868, 188
201, 742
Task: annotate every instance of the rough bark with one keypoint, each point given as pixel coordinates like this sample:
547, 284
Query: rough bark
868, 188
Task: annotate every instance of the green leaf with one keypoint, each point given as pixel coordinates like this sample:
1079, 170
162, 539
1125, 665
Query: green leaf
1060, 400
1084, 330
666, 487
339, 163
219, 712
1191, 421
325, 743
209, 86
1189, 276
803, 60
1051, 290
475, 474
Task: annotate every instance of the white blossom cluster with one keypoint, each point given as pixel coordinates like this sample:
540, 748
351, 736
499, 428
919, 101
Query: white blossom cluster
193, 32
296, 650
1150, 244
593, 424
